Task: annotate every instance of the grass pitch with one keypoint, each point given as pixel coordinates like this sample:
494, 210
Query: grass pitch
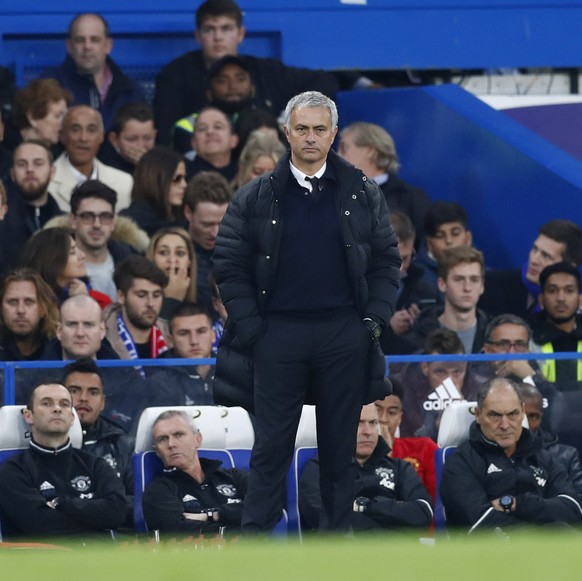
550, 556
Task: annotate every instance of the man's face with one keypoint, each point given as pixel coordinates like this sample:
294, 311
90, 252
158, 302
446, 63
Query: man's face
86, 390
203, 223
310, 136
82, 135
437, 371
175, 442
232, 84
142, 304
80, 330
544, 252
533, 408
135, 138
193, 336
406, 248
219, 36
463, 286
500, 417
358, 155
213, 134
450, 235
88, 45
368, 433
389, 415
507, 338
93, 224
52, 412
20, 309
561, 297
31, 171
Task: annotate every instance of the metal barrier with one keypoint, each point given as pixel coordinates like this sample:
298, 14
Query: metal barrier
8, 369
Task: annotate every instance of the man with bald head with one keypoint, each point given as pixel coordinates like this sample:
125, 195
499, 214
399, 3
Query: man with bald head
90, 73
80, 332
52, 488
501, 477
82, 134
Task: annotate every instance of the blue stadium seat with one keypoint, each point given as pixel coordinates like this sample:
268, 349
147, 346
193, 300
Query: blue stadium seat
440, 456
300, 458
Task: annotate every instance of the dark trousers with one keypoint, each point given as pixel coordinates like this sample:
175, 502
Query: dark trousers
325, 360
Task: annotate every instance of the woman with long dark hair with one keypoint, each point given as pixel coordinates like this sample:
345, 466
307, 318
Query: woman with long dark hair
159, 184
54, 254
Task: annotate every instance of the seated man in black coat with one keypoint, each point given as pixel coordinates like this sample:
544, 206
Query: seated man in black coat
501, 477
389, 494
194, 494
101, 436
53, 488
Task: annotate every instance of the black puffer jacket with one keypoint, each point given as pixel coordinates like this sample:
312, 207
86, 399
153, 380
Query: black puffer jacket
109, 441
246, 260
479, 471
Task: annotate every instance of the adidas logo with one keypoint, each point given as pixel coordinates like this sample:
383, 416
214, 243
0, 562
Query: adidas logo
442, 397
46, 486
189, 498
492, 468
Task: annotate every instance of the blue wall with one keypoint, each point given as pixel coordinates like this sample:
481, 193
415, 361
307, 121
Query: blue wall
509, 179
319, 33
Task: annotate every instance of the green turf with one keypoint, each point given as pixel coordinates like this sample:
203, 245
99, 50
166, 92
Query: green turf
528, 557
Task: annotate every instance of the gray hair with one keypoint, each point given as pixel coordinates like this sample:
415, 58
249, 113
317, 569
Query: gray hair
311, 99
506, 319
486, 387
169, 414
374, 136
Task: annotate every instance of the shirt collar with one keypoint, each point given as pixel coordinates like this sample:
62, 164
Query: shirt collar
381, 179
300, 176
80, 177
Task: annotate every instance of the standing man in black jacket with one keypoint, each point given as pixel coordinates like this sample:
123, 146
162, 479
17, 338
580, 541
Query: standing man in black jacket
53, 488
307, 265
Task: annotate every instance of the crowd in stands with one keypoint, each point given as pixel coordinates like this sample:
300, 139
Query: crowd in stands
109, 214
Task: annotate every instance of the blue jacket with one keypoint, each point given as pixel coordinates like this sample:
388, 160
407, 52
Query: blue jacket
123, 90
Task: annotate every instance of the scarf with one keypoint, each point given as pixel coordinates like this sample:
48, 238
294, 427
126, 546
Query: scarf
157, 342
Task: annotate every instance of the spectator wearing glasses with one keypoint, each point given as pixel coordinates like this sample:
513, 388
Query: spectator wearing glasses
94, 222
510, 334
157, 198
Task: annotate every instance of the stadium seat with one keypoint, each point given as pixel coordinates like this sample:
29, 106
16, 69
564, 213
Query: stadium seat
300, 458
455, 423
307, 431
440, 456
15, 433
240, 435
